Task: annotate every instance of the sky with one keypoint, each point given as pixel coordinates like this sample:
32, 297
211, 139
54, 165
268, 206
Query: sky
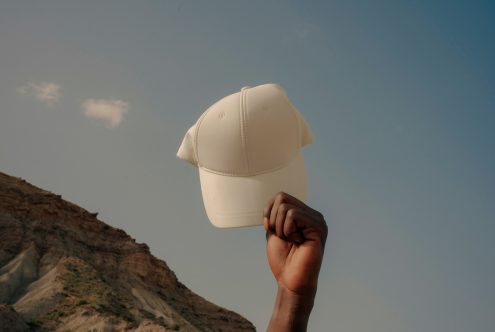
96, 96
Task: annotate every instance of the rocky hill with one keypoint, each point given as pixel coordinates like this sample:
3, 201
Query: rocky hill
62, 269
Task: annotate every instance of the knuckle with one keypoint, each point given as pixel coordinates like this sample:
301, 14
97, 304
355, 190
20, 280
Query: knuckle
322, 220
291, 213
316, 213
281, 196
325, 229
283, 207
319, 216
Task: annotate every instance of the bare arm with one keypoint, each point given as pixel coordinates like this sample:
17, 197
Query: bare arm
290, 312
296, 236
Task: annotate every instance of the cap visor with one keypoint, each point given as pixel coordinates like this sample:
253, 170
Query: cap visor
238, 201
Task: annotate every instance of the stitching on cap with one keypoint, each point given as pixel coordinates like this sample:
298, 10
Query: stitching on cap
241, 116
246, 121
298, 147
276, 168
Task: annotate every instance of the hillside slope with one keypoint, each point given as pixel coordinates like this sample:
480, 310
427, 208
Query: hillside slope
63, 269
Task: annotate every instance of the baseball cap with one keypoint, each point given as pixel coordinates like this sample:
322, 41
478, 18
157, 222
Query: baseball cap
247, 147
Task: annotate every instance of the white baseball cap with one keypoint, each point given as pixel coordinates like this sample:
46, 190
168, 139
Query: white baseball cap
247, 147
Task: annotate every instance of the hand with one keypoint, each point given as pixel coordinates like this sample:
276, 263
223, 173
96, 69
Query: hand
296, 236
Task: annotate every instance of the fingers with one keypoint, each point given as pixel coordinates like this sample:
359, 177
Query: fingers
285, 225
290, 219
281, 212
291, 229
272, 206
281, 197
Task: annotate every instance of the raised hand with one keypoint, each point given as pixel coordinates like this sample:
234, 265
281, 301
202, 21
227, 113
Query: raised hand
296, 236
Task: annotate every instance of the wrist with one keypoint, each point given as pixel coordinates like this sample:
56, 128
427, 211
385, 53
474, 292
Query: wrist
291, 310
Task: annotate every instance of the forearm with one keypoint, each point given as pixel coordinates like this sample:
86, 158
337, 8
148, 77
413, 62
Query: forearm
291, 311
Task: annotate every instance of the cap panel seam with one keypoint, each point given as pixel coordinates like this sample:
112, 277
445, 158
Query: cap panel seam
246, 123
242, 101
270, 170
233, 173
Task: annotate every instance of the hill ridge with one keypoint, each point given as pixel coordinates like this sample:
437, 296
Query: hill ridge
61, 268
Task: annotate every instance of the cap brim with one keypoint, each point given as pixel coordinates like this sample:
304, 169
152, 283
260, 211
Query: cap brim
238, 201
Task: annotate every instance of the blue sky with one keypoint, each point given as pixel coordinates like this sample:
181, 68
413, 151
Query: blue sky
96, 97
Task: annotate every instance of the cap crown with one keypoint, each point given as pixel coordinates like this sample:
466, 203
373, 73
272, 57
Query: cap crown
253, 131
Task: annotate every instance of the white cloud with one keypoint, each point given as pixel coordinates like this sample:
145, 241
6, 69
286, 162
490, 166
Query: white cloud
45, 92
110, 111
